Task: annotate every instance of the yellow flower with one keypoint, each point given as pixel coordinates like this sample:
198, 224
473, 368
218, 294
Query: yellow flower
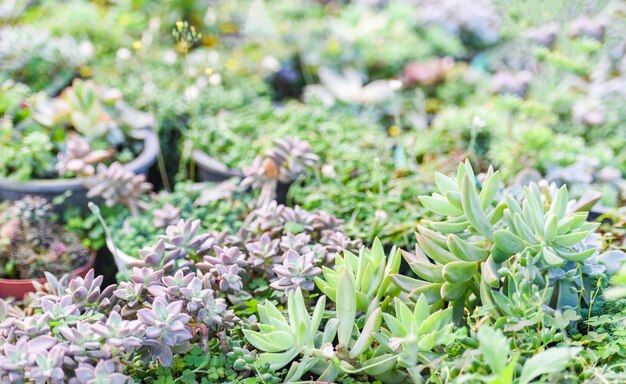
208, 71
179, 24
231, 64
394, 131
137, 44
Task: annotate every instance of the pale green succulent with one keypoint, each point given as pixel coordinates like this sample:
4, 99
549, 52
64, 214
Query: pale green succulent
458, 259
371, 272
283, 339
415, 336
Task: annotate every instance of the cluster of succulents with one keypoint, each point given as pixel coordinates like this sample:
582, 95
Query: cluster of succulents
178, 293
70, 134
31, 243
118, 185
36, 56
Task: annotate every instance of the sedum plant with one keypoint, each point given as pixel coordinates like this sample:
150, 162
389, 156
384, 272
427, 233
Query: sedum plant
391, 343
371, 271
459, 259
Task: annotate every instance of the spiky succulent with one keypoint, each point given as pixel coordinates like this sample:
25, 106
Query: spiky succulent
31, 209
33, 243
117, 185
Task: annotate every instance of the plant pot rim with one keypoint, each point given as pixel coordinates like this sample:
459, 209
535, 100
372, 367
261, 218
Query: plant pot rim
59, 185
24, 286
213, 165
120, 257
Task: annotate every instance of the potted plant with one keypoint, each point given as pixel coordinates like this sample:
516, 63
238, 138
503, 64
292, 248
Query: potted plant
31, 243
54, 147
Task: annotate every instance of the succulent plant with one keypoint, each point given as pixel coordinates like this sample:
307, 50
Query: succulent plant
292, 157
117, 185
416, 336
289, 158
85, 104
104, 372
371, 271
263, 253
297, 271
79, 158
33, 243
166, 327
166, 216
463, 253
32, 209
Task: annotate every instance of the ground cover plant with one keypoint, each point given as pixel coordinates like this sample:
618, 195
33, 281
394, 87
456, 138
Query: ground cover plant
363, 191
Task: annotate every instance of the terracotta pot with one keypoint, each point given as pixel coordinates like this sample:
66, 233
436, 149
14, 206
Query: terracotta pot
213, 170
51, 188
17, 288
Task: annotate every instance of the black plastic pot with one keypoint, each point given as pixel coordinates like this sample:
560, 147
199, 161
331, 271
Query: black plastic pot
211, 169
51, 188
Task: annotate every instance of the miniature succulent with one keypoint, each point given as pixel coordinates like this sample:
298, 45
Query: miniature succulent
166, 216
464, 253
263, 252
79, 158
117, 185
289, 158
297, 271
165, 327
103, 372
33, 243
292, 157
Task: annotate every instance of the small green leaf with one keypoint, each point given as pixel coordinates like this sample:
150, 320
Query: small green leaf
570, 239
465, 250
346, 307
364, 341
473, 210
552, 227
439, 205
490, 189
551, 258
508, 242
551, 360
451, 291
494, 347
459, 271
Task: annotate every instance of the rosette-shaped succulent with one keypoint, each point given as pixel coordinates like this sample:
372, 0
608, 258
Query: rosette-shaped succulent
266, 218
298, 243
321, 220
78, 158
165, 216
289, 158
296, 271
117, 185
166, 327
585, 26
505, 82
263, 253
297, 219
182, 239
292, 156
104, 372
